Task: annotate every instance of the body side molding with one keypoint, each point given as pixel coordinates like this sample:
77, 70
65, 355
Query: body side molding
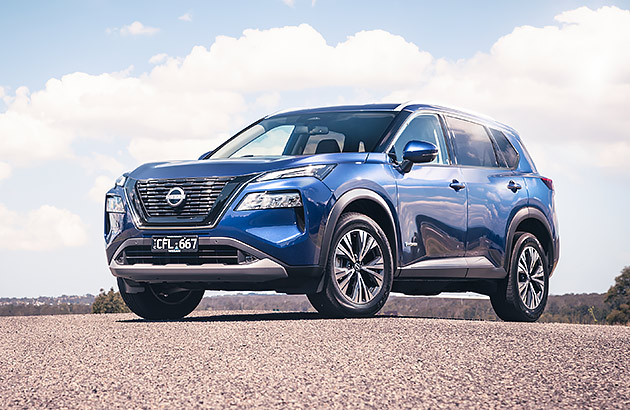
477, 267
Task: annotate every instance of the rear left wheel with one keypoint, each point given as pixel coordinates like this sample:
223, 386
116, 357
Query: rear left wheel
161, 302
522, 296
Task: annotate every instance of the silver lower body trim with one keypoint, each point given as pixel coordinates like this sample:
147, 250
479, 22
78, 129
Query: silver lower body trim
473, 267
262, 270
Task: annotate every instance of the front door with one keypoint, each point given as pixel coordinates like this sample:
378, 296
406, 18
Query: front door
431, 206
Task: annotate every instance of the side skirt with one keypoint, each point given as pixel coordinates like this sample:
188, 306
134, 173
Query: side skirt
469, 267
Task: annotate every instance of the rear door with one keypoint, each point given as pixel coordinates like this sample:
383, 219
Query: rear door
495, 193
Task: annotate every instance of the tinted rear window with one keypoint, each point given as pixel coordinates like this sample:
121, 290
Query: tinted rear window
471, 144
507, 154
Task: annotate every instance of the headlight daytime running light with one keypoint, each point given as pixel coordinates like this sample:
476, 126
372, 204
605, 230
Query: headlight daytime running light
270, 200
114, 204
317, 171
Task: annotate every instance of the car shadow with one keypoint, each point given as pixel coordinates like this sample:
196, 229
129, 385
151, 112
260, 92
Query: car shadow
272, 316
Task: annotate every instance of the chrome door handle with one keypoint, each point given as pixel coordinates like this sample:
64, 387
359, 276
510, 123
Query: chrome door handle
513, 186
456, 185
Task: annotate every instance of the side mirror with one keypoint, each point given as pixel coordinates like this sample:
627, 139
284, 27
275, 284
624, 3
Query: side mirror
417, 152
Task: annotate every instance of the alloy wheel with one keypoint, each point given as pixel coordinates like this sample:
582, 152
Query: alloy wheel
531, 277
358, 266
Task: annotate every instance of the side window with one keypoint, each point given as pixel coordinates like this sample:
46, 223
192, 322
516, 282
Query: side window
423, 128
471, 144
506, 150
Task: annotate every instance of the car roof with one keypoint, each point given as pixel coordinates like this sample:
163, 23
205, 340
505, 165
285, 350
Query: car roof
339, 108
482, 118
410, 106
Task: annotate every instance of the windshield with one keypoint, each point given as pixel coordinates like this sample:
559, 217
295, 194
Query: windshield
308, 134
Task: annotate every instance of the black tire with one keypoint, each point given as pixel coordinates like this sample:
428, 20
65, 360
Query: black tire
533, 277
364, 286
154, 302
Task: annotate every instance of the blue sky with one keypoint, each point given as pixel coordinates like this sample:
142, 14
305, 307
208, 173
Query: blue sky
112, 84
50, 39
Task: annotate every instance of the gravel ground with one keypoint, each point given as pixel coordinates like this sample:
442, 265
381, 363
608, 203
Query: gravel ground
297, 360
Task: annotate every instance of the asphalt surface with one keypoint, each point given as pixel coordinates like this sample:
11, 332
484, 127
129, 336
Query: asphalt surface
295, 360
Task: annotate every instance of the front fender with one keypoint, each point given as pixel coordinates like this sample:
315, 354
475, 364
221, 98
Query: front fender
342, 204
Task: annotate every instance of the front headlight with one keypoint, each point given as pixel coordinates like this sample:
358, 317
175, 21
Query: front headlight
270, 200
317, 171
114, 204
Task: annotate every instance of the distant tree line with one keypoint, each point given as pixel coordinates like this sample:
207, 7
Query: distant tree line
612, 307
572, 308
34, 310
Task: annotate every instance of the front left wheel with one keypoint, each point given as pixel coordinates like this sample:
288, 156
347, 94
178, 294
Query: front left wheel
161, 302
359, 271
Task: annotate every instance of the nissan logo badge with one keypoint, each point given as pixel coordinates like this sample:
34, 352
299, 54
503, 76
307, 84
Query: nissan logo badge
175, 197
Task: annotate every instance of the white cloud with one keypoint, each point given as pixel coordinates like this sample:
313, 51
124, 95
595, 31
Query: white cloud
97, 163
268, 101
158, 58
152, 150
185, 17
5, 170
291, 3
43, 124
567, 82
138, 29
134, 29
199, 96
101, 185
44, 228
297, 58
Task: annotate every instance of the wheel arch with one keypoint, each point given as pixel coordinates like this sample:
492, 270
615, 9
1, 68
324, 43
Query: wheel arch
533, 221
368, 203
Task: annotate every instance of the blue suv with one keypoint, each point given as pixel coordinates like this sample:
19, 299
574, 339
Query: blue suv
344, 204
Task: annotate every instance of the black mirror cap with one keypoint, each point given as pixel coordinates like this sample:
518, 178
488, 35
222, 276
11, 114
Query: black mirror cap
419, 152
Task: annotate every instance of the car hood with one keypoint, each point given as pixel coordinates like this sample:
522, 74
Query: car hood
236, 166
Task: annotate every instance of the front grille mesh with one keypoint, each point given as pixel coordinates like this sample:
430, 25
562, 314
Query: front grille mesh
207, 254
201, 193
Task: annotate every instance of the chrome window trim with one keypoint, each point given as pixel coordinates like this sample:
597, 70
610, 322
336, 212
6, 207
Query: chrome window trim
462, 111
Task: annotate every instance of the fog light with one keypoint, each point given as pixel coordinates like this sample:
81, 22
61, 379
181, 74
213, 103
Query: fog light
270, 200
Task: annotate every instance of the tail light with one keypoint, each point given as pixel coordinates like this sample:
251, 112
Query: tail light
547, 182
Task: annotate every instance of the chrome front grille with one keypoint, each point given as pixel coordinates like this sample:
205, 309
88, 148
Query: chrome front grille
201, 194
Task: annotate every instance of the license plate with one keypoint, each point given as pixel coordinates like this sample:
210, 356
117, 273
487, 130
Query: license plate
175, 244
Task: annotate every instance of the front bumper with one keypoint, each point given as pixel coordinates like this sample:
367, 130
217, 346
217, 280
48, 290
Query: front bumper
259, 268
